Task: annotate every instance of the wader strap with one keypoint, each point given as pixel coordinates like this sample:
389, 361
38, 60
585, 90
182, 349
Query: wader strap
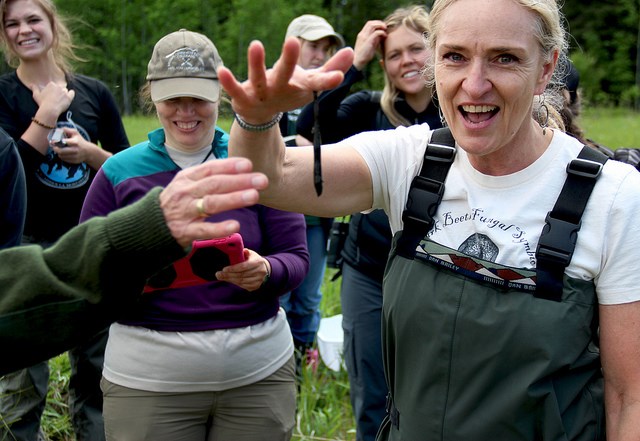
394, 415
558, 239
425, 193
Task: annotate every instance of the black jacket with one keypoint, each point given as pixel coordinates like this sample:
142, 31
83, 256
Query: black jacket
13, 193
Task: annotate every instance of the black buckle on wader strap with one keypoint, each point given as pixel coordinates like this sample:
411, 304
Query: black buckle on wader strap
560, 232
425, 193
394, 415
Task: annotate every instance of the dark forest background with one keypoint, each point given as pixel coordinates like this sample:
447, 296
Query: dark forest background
116, 37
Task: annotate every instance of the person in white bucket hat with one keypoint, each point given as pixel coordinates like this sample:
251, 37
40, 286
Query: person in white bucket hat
316, 33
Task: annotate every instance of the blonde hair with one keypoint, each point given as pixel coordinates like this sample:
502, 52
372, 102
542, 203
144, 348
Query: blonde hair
552, 38
415, 18
63, 48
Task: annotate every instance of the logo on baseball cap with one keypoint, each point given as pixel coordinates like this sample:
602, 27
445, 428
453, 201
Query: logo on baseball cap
184, 63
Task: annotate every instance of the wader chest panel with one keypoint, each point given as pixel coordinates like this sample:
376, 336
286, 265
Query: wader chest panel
474, 350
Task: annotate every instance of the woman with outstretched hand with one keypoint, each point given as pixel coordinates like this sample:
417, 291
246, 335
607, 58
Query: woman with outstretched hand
510, 297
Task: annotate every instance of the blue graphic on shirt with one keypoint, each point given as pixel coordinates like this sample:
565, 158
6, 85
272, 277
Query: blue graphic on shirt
56, 173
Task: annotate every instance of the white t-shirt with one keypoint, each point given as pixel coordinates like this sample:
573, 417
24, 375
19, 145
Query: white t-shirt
216, 360
509, 211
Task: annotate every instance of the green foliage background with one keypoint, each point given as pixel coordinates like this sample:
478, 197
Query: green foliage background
117, 37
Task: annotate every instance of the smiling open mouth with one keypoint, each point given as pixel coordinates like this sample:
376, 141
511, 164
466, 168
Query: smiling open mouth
412, 74
186, 125
478, 114
27, 42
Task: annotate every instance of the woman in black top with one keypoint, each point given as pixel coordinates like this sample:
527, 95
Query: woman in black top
43, 96
404, 101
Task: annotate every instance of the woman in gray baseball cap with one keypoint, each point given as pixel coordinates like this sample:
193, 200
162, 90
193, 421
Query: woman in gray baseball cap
208, 353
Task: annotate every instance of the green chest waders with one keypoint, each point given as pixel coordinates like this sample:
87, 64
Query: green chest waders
469, 355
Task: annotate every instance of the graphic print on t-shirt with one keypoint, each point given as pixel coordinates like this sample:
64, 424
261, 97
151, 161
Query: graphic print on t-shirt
478, 244
56, 173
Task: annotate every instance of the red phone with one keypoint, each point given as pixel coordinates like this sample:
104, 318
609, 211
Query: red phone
200, 265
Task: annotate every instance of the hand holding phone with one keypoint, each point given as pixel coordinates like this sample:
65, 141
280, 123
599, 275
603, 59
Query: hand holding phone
201, 264
58, 137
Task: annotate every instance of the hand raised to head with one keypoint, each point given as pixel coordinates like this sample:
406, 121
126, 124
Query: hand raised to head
368, 42
284, 87
207, 189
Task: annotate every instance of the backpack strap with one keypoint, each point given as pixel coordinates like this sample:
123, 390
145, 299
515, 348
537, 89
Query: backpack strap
628, 155
558, 238
425, 193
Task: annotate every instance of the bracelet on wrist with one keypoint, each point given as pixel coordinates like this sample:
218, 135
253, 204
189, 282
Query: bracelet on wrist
268, 275
41, 124
258, 127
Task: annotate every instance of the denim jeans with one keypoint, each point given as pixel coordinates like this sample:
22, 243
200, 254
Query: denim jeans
302, 305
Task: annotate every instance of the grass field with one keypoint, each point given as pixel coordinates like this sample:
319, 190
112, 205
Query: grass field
324, 412
611, 127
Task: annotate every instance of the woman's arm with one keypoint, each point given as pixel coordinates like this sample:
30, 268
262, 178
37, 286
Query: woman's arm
290, 171
110, 131
285, 247
620, 352
52, 100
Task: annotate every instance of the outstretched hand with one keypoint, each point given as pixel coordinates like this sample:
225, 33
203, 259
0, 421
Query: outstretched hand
284, 87
207, 189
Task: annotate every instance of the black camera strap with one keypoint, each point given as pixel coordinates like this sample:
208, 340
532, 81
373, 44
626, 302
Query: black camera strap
317, 146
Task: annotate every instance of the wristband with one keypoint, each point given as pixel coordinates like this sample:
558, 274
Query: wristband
41, 124
258, 127
268, 275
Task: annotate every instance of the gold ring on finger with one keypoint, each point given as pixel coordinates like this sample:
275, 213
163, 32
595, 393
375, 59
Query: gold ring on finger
200, 206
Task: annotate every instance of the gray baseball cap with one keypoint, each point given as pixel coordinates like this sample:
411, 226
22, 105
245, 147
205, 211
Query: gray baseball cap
313, 28
184, 63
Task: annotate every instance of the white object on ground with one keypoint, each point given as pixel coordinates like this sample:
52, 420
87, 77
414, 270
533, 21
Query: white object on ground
330, 337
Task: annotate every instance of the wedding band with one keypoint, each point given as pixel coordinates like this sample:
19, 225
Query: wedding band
200, 206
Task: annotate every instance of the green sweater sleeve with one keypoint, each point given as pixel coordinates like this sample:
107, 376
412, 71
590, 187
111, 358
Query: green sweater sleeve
54, 299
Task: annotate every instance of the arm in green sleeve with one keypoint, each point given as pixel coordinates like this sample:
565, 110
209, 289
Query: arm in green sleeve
53, 299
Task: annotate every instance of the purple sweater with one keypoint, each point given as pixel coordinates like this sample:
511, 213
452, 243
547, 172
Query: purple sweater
277, 235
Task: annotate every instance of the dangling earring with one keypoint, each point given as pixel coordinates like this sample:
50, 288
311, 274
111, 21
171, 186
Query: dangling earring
442, 120
544, 122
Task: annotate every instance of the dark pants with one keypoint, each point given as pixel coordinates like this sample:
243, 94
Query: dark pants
361, 298
23, 395
302, 305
